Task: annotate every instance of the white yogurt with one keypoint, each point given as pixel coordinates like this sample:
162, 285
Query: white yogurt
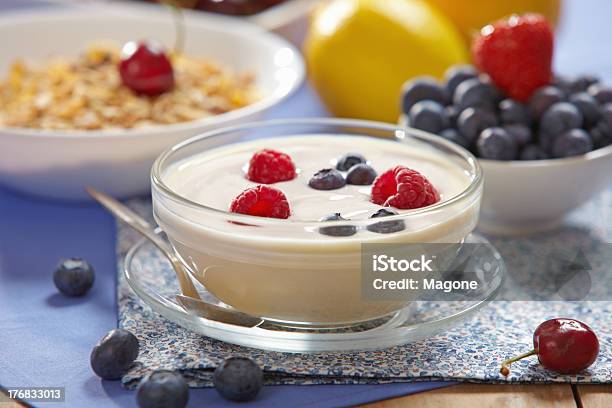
285, 269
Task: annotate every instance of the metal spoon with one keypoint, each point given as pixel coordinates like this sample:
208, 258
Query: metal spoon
190, 298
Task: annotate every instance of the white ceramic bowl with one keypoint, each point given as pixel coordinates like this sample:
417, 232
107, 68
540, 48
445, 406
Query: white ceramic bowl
523, 197
58, 164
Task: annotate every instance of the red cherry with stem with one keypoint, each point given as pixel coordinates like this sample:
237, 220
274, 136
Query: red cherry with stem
566, 346
145, 68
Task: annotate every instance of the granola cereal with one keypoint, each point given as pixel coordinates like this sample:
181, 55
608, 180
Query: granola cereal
86, 93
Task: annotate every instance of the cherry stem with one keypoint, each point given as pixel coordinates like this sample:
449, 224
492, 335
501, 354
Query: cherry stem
179, 23
505, 371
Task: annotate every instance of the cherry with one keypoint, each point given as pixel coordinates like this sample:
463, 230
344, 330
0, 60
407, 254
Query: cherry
145, 68
566, 346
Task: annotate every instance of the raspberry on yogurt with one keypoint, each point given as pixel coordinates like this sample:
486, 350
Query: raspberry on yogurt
269, 166
403, 188
261, 201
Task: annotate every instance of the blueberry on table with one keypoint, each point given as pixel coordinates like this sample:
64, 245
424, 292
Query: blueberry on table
453, 135
238, 379
456, 75
574, 142
521, 133
428, 116
474, 93
386, 227
601, 93
337, 231
361, 175
561, 117
349, 160
422, 88
588, 106
73, 277
533, 152
543, 99
162, 389
114, 354
472, 121
513, 112
496, 144
327, 179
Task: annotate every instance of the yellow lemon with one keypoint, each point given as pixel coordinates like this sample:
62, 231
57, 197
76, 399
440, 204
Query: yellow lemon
469, 17
360, 52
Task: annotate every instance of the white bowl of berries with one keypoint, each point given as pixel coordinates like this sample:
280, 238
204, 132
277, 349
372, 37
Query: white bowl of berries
108, 91
544, 141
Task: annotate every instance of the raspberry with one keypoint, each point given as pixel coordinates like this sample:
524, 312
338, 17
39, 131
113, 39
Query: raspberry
261, 201
404, 188
269, 166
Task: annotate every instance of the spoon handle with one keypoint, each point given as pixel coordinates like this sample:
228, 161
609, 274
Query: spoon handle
141, 225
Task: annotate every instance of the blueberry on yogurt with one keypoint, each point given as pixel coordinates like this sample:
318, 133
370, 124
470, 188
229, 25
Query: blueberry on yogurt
327, 179
361, 175
349, 160
386, 227
337, 231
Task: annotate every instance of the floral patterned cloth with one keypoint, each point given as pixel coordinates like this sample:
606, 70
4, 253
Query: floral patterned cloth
471, 351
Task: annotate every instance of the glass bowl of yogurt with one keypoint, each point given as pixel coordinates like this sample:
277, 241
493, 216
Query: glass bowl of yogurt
286, 270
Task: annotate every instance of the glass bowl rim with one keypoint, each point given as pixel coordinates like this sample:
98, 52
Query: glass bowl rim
159, 185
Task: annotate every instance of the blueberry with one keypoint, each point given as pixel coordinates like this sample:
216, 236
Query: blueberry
559, 118
520, 133
114, 354
456, 75
545, 140
513, 112
474, 93
473, 121
533, 152
361, 175
238, 379
73, 277
429, 116
572, 143
452, 113
349, 160
606, 116
601, 135
601, 93
588, 106
385, 227
337, 231
496, 144
327, 179
564, 83
162, 389
497, 94
543, 99
454, 136
582, 83
420, 89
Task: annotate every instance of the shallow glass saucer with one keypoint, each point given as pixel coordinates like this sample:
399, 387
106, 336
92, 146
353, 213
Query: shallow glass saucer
151, 277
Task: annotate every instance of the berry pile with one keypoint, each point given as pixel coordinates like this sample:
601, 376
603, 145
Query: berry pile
398, 187
513, 108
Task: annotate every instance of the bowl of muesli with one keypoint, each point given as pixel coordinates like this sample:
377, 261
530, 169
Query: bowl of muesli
72, 112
